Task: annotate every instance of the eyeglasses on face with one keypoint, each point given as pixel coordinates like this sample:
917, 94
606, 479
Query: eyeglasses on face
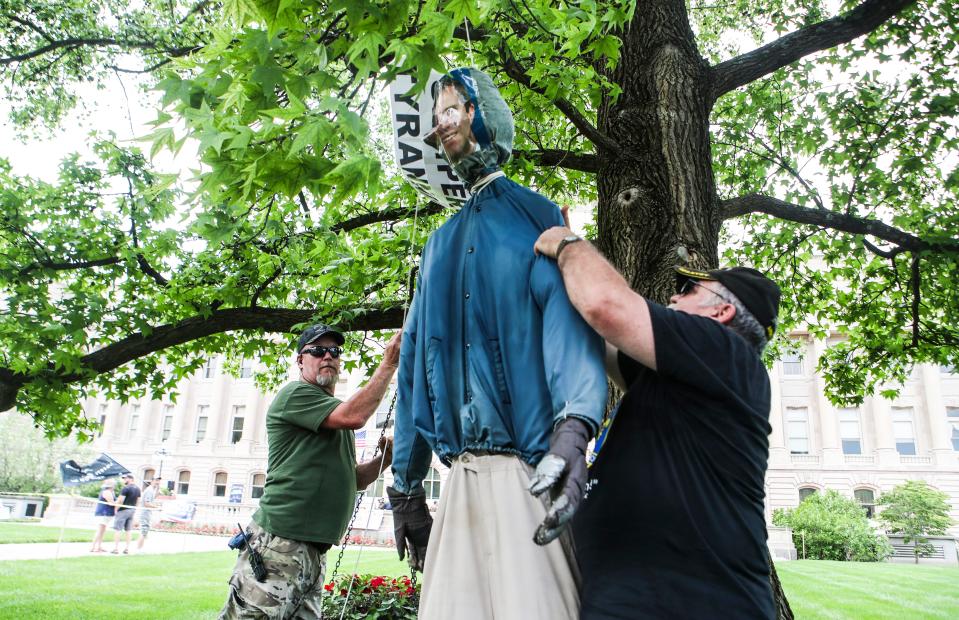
318, 351
689, 286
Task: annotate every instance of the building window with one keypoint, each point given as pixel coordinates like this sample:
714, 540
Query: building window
219, 484
432, 484
866, 499
792, 365
209, 368
201, 421
103, 420
952, 414
134, 419
797, 429
148, 475
849, 431
239, 412
246, 368
805, 492
903, 431
376, 489
183, 482
167, 427
256, 485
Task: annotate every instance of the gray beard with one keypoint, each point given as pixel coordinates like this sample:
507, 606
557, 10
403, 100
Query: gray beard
327, 381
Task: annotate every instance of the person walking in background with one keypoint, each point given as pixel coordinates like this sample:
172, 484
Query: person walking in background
104, 512
149, 502
126, 504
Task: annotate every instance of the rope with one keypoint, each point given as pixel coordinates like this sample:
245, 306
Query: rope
386, 423
469, 44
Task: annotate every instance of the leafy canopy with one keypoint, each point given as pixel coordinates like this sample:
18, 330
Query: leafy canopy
835, 170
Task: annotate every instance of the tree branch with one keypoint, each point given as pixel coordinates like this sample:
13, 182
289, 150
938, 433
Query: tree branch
66, 266
517, 72
111, 357
74, 42
757, 203
863, 19
387, 215
584, 162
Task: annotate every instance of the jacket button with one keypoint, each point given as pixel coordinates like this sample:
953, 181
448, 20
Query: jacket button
467, 296
469, 251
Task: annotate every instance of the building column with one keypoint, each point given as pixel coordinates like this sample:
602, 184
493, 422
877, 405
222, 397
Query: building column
934, 409
826, 415
778, 451
886, 453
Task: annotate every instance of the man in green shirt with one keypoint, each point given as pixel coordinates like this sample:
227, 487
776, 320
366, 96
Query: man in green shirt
311, 481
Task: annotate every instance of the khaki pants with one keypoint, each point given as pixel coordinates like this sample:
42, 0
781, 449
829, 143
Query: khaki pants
294, 580
481, 561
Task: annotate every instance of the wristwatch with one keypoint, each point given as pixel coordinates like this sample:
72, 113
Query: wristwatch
565, 242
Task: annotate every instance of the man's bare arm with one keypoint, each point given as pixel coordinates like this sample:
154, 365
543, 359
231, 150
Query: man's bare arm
353, 413
602, 296
369, 471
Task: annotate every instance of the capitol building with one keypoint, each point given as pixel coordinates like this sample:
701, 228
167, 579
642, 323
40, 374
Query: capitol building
210, 446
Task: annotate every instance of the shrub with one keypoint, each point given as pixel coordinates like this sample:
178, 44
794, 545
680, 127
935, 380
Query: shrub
371, 597
834, 528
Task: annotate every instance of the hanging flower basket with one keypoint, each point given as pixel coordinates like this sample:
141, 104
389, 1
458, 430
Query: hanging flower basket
371, 598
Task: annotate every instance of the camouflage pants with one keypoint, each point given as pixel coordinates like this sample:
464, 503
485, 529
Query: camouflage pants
294, 584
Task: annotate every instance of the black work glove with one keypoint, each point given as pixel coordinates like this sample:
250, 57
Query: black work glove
562, 472
411, 525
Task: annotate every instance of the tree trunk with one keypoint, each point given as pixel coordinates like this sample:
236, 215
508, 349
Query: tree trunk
658, 206
657, 199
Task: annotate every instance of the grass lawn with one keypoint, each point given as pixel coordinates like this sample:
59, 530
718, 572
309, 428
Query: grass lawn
194, 585
26, 533
181, 586
862, 591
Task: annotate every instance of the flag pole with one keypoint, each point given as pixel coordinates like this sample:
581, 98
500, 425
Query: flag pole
63, 524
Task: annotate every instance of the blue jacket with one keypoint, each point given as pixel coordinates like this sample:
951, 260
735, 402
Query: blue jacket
493, 353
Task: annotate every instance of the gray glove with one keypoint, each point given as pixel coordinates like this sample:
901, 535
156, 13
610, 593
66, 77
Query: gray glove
562, 472
411, 525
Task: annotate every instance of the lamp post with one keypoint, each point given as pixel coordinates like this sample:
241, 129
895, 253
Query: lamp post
161, 453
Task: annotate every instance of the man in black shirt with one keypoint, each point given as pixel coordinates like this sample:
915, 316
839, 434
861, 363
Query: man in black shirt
672, 525
126, 504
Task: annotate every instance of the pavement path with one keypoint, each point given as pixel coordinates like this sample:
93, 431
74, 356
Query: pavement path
156, 543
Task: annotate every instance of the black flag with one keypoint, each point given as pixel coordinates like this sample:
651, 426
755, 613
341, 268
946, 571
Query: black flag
101, 469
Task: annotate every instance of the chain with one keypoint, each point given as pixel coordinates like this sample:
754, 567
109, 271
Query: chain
386, 423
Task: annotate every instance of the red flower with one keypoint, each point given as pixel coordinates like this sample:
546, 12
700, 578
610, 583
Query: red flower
376, 582
328, 587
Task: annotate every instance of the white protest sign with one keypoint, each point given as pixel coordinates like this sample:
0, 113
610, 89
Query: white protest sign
421, 163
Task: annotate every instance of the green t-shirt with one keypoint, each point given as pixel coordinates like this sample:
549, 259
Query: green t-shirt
311, 472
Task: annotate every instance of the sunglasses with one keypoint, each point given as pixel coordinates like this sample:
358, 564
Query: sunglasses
687, 287
319, 351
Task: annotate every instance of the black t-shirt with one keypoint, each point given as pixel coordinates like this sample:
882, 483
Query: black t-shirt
672, 523
129, 494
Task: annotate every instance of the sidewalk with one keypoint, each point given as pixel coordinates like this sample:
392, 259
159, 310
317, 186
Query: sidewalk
156, 543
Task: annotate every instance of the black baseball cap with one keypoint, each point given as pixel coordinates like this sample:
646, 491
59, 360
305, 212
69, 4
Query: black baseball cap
315, 332
758, 293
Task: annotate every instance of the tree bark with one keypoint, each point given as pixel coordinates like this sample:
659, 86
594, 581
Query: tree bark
657, 199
